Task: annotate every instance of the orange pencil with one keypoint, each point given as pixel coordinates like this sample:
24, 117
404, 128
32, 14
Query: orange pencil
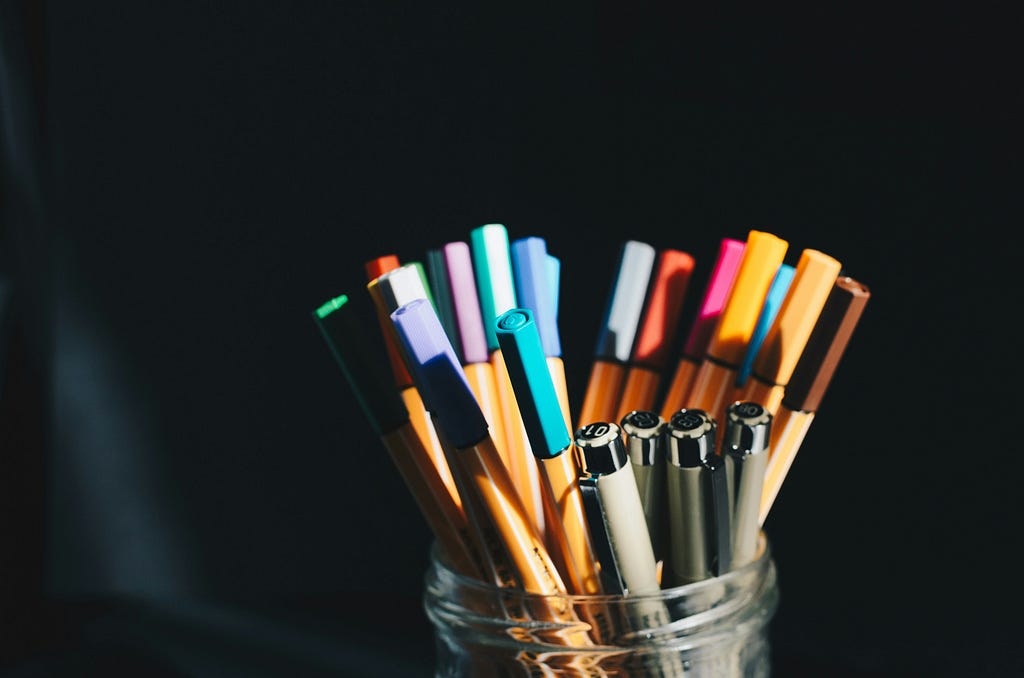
714, 384
716, 292
389, 291
811, 377
657, 333
492, 266
617, 333
815, 275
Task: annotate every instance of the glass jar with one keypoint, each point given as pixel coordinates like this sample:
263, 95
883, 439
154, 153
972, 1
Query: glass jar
715, 627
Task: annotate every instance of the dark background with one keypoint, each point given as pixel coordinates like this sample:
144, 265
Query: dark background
187, 486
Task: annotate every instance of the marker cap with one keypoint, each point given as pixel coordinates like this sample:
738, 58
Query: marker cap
440, 285
615, 340
600, 444
377, 267
531, 382
747, 429
814, 278
690, 437
826, 345
492, 264
346, 338
554, 283
661, 315
532, 281
645, 432
730, 253
466, 302
401, 285
438, 375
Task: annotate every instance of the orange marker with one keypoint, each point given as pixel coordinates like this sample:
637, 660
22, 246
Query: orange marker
714, 384
811, 377
657, 333
716, 292
492, 265
615, 341
389, 291
813, 280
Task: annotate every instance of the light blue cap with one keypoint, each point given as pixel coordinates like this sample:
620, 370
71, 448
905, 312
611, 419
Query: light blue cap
554, 281
531, 382
770, 308
530, 269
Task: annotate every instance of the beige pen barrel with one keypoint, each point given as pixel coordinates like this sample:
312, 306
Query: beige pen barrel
644, 433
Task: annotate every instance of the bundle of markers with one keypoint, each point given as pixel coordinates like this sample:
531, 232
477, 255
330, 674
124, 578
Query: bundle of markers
671, 467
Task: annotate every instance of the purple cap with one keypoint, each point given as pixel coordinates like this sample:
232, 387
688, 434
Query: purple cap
468, 318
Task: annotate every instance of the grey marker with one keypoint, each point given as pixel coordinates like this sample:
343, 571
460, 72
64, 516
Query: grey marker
645, 443
698, 499
745, 449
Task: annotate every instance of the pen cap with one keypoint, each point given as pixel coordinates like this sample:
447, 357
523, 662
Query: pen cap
377, 267
346, 338
747, 429
716, 292
690, 438
615, 340
531, 382
769, 310
826, 344
644, 431
401, 285
600, 445
466, 302
492, 264
661, 314
531, 273
439, 284
438, 375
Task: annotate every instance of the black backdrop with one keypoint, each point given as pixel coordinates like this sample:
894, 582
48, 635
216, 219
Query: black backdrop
189, 485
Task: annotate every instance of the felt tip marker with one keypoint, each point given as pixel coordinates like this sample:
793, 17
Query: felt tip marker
716, 292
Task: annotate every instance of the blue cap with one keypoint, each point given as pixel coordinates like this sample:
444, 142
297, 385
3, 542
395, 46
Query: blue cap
554, 281
530, 268
531, 382
770, 308
438, 374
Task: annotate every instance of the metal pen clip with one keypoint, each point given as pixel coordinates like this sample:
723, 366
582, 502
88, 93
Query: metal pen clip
593, 510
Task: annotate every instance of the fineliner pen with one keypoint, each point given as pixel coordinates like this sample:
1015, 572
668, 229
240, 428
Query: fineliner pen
816, 273
608, 477
745, 441
810, 380
644, 432
389, 418
698, 500
714, 385
716, 292
389, 291
770, 309
654, 341
617, 333
440, 286
532, 274
550, 442
469, 328
512, 545
492, 264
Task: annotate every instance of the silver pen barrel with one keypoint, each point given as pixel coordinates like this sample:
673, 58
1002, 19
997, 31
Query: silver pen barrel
745, 440
645, 436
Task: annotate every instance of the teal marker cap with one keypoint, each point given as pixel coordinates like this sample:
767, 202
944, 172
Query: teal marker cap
492, 263
535, 393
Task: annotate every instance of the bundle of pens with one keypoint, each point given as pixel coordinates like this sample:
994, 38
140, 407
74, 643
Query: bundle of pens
666, 476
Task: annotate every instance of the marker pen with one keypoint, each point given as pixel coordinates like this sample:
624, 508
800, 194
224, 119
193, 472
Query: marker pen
492, 264
536, 395
617, 519
745, 442
388, 291
716, 292
532, 275
657, 332
511, 544
714, 385
469, 328
644, 431
770, 309
811, 377
618, 330
439, 284
387, 414
698, 500
816, 273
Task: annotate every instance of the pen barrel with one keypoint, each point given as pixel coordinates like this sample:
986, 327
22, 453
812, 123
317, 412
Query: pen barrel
677, 395
746, 473
650, 485
485, 389
788, 433
767, 395
556, 368
560, 473
639, 391
689, 556
604, 388
423, 424
624, 519
714, 387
